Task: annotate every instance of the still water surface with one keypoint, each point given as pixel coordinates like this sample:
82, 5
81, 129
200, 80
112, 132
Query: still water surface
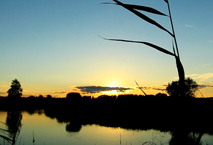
48, 131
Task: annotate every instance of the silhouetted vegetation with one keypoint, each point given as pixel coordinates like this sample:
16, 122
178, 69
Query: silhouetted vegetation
13, 123
137, 10
73, 96
158, 111
15, 90
135, 112
41, 96
49, 97
182, 137
189, 91
73, 127
178, 137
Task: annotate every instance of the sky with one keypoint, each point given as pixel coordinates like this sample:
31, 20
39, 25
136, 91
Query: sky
54, 46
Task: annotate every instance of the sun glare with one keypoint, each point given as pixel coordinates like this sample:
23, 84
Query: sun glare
112, 92
113, 83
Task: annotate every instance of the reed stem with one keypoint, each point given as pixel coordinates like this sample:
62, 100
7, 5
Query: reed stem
173, 31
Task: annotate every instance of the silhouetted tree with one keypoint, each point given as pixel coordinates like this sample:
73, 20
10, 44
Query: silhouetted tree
161, 95
31, 96
185, 138
73, 127
189, 91
41, 96
49, 97
73, 96
15, 90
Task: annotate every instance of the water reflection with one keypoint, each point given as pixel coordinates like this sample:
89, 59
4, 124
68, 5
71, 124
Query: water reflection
73, 127
185, 138
13, 122
182, 136
177, 138
46, 128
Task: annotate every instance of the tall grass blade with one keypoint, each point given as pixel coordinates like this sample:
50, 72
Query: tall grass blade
3, 122
173, 31
147, 9
4, 130
146, 43
142, 16
142, 8
6, 138
181, 74
173, 47
108, 3
140, 88
180, 69
201, 93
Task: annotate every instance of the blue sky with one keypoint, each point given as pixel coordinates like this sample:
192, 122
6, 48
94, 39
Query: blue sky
54, 46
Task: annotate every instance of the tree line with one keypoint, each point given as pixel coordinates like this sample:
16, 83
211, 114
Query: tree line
172, 89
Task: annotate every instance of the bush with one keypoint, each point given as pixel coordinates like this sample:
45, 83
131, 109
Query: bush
173, 89
73, 96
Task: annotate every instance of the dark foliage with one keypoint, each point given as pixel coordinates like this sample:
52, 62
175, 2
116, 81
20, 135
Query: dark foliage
15, 90
173, 89
73, 96
49, 97
134, 112
73, 127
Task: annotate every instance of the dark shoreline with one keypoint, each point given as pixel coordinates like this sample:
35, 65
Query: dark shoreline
164, 113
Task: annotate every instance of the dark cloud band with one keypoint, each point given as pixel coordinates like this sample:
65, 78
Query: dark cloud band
2, 93
205, 86
153, 88
60, 92
98, 89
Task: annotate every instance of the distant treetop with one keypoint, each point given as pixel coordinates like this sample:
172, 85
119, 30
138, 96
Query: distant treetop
189, 90
73, 95
15, 90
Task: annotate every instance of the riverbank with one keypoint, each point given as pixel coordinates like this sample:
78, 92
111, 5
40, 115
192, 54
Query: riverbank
137, 113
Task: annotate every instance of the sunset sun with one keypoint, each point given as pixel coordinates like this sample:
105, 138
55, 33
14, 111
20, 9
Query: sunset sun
113, 83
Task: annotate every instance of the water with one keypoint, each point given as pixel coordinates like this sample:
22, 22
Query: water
47, 131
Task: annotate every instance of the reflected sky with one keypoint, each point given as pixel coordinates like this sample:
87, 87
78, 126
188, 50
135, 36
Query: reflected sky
49, 132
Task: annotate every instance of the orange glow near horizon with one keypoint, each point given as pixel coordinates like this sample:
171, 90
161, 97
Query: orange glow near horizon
113, 83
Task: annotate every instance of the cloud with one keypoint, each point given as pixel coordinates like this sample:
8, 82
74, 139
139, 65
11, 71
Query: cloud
208, 64
60, 92
205, 86
157, 88
98, 89
201, 76
3, 93
210, 41
189, 26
